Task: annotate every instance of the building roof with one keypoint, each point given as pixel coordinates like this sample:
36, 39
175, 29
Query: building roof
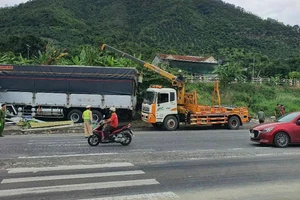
209, 59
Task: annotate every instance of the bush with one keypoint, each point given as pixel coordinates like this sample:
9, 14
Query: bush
255, 97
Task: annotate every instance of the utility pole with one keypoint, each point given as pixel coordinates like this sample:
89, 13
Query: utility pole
28, 48
253, 68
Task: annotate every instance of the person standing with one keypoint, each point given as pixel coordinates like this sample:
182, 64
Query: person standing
282, 109
277, 111
2, 119
261, 116
180, 76
87, 117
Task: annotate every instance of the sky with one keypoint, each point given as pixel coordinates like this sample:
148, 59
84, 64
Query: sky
286, 11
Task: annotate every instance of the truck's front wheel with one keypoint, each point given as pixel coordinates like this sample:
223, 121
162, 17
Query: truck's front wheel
234, 123
75, 115
170, 123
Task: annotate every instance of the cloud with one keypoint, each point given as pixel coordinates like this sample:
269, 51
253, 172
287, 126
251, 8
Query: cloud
5, 3
286, 11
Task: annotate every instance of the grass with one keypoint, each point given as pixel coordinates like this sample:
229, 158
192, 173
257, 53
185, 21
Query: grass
253, 96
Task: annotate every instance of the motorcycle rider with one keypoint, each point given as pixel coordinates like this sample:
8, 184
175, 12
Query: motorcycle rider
113, 123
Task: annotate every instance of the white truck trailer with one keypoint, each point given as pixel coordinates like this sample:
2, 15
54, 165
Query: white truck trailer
64, 91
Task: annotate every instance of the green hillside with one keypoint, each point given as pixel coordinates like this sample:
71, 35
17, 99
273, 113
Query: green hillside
195, 27
248, 44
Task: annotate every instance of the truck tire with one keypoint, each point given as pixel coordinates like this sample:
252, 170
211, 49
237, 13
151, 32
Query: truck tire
234, 123
170, 123
75, 116
97, 116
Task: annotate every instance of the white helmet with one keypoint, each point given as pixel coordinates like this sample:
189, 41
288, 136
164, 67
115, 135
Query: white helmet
88, 106
179, 71
113, 109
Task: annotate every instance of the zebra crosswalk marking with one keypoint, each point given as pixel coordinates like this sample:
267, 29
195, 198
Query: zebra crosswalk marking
67, 167
77, 187
116, 179
75, 176
150, 196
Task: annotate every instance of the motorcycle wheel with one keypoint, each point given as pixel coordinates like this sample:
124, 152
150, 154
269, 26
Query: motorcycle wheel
93, 140
128, 139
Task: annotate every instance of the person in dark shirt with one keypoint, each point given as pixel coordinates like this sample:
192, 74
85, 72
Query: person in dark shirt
261, 116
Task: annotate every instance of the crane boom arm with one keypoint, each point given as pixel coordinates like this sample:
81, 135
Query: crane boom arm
149, 66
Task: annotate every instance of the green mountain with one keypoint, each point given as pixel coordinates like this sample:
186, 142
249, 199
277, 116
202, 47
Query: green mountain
194, 27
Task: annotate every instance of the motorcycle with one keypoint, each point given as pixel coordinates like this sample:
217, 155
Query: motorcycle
122, 134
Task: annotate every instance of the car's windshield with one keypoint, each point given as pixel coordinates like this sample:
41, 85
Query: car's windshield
149, 97
288, 117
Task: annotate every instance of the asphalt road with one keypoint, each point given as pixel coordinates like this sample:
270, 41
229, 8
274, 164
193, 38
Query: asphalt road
192, 164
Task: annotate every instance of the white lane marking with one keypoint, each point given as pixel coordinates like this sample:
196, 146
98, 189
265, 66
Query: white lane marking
235, 149
49, 143
150, 196
75, 176
63, 140
69, 155
67, 167
265, 154
77, 187
67, 145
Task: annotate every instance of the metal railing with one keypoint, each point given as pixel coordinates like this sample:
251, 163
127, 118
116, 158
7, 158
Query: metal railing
257, 80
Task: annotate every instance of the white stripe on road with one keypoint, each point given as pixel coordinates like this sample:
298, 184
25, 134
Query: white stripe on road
77, 187
151, 196
235, 149
67, 167
62, 140
69, 155
76, 176
67, 145
265, 154
44, 143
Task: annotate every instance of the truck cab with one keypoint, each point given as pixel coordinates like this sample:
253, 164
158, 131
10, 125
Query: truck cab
158, 105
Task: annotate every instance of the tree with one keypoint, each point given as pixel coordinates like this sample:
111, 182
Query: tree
228, 73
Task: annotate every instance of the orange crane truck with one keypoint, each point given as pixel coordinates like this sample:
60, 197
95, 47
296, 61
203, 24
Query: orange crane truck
168, 107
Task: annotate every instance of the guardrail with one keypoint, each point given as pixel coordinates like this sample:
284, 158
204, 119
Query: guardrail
280, 82
286, 82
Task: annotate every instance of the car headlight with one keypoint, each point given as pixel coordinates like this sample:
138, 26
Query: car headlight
266, 130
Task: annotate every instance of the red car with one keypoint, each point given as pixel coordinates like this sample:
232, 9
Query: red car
285, 131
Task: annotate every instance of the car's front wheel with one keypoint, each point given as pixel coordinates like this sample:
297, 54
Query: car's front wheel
281, 139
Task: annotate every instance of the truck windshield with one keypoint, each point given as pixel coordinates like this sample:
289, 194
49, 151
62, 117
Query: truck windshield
149, 97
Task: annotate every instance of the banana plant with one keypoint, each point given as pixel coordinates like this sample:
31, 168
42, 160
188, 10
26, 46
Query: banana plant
7, 58
20, 60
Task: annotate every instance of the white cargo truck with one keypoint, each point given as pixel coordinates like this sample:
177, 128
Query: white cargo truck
64, 91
